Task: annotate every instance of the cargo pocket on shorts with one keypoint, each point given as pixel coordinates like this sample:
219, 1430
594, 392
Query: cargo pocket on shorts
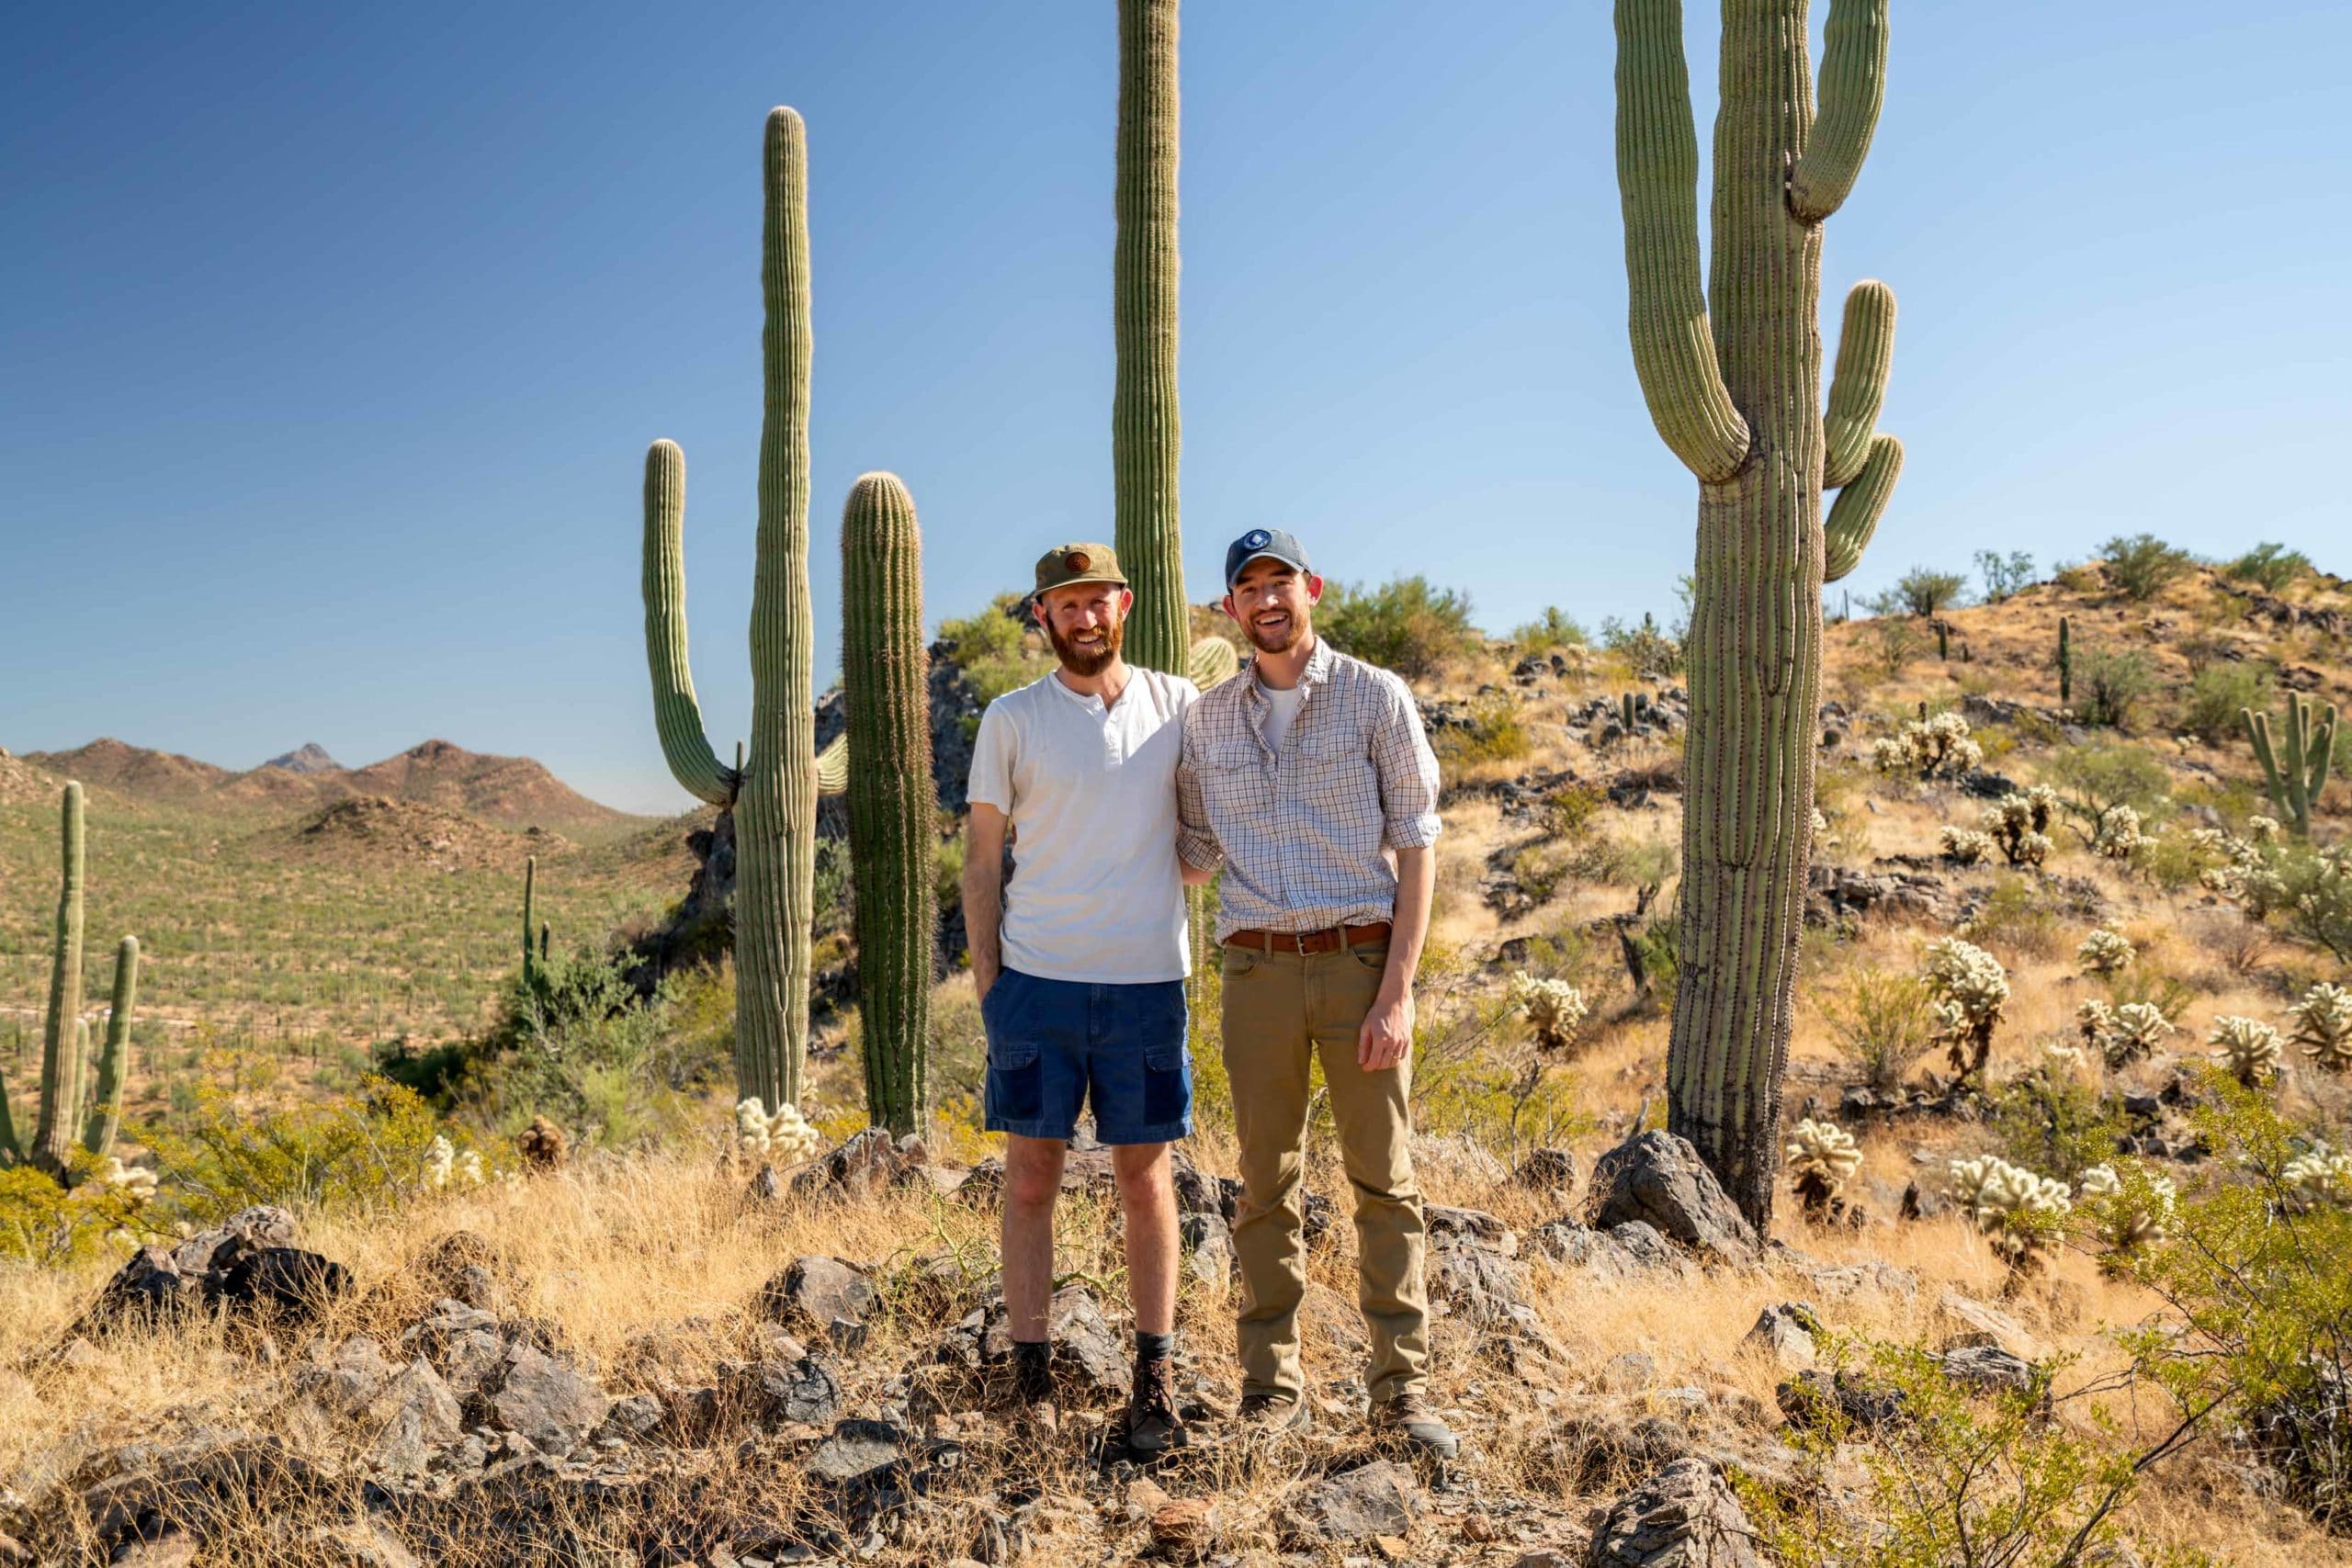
1015, 1089
1167, 1064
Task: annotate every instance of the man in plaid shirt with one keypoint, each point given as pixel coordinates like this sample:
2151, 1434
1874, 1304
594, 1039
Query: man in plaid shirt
1310, 780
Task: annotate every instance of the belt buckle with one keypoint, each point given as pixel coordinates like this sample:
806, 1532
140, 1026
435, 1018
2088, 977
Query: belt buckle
1298, 942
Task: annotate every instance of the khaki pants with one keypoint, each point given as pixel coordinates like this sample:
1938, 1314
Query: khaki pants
1278, 1007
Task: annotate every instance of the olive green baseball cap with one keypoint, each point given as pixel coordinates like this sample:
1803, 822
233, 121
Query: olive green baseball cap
1081, 562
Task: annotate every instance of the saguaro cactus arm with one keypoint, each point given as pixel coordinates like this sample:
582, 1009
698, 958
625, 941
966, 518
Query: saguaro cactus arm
832, 766
1853, 517
61, 1058
1853, 85
677, 714
1658, 176
1858, 386
114, 1059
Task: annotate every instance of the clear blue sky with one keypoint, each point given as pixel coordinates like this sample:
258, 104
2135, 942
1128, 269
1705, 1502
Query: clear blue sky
332, 337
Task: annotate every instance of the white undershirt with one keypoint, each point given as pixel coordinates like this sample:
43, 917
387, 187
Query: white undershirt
1283, 713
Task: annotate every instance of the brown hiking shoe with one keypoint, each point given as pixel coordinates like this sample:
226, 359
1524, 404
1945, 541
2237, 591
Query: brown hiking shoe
1411, 1418
1272, 1415
1153, 1426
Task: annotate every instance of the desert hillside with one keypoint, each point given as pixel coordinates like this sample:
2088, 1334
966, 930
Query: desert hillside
2055, 1257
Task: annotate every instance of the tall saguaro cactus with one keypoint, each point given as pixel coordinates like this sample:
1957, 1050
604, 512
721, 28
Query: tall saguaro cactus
773, 794
893, 808
2296, 773
1733, 380
65, 1064
1147, 433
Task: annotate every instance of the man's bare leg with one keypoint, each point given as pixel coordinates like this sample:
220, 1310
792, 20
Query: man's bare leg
1033, 1180
1147, 1195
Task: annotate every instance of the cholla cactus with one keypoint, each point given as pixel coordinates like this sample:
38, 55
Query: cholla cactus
2063, 1060
2105, 953
1933, 748
2019, 1212
1966, 846
785, 1137
1822, 1156
2248, 1048
134, 1181
2323, 1026
2133, 1208
1555, 1009
2320, 1175
2122, 1035
2019, 826
1971, 987
445, 1167
2120, 836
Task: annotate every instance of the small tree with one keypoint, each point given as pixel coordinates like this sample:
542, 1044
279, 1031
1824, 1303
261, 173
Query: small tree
1406, 625
2143, 564
1927, 592
2003, 575
2114, 681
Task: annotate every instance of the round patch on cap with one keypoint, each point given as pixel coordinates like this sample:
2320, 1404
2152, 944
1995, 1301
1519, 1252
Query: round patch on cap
1078, 561
1255, 540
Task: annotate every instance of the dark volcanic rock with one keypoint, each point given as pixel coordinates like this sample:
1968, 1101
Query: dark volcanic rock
1684, 1516
1657, 1178
1373, 1500
819, 1292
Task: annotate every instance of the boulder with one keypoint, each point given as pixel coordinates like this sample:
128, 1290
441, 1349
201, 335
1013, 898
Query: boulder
1812, 1399
1376, 1499
1785, 1333
285, 1282
159, 1283
1632, 1250
1988, 1367
858, 1452
1659, 1179
1547, 1170
806, 1391
550, 1403
1472, 1228
868, 1163
819, 1292
1684, 1516
417, 1417
1968, 1322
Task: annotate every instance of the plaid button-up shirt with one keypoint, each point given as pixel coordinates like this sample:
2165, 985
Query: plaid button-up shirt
1304, 833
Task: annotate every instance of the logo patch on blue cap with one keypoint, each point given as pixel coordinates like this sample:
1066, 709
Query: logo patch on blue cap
1255, 539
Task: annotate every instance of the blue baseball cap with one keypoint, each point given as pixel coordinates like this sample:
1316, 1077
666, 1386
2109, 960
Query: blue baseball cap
1262, 542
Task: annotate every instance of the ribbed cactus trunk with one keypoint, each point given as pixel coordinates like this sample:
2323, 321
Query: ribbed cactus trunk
105, 1121
61, 1057
2295, 772
773, 794
1146, 433
1733, 381
530, 917
893, 808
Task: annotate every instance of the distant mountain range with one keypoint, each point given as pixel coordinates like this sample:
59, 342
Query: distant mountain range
511, 792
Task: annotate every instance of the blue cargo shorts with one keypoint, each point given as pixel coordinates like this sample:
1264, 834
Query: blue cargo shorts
1056, 1046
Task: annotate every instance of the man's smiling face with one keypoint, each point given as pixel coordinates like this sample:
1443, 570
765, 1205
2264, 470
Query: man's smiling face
1086, 621
1274, 602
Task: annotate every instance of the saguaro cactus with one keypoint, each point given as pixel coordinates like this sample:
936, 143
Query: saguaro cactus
1147, 433
530, 917
1736, 393
772, 794
65, 1041
2065, 664
893, 809
2296, 777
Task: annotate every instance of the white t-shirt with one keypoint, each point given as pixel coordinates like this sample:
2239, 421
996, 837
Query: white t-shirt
1096, 896
1282, 706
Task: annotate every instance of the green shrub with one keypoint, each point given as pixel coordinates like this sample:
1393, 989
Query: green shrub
996, 651
1405, 625
2112, 682
2216, 693
1959, 1480
48, 1225
368, 1150
2003, 577
1554, 628
2015, 914
1493, 734
2095, 778
2142, 565
1883, 1021
2272, 567
1925, 592
2054, 1125
1646, 649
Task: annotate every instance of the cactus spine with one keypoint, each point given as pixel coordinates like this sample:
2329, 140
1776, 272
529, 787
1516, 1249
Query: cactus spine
1736, 393
1146, 430
893, 811
2295, 779
66, 1041
2065, 664
772, 794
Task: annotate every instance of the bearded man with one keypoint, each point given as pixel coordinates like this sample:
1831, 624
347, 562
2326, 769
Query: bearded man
1081, 968
1311, 781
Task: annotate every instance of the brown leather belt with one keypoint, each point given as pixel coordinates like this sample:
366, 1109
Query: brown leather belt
1328, 939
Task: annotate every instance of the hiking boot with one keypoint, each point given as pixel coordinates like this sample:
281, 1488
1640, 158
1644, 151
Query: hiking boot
1153, 1426
1272, 1415
1411, 1418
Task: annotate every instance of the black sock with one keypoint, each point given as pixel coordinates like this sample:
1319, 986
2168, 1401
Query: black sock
1033, 1367
1153, 1347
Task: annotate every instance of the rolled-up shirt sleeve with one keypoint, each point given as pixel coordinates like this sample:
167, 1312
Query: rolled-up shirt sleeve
1407, 773
1196, 842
